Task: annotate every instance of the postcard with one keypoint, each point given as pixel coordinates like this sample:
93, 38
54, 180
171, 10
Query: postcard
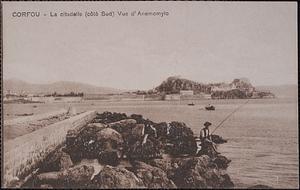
142, 94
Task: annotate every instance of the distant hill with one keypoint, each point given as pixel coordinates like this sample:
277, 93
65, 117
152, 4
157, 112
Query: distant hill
173, 85
62, 87
281, 91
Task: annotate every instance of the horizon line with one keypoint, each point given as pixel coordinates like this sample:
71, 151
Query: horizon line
116, 88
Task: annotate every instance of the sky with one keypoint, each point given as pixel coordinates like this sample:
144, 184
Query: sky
201, 41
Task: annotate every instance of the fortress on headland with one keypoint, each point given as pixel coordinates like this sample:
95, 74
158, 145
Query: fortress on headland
175, 88
237, 89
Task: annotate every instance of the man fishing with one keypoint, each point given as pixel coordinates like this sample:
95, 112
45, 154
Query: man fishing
204, 133
205, 138
207, 145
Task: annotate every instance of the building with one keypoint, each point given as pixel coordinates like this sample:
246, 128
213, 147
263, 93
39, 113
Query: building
172, 97
223, 87
186, 92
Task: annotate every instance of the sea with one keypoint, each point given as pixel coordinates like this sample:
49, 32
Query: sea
262, 135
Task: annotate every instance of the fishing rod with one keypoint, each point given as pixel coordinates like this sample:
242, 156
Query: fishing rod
229, 116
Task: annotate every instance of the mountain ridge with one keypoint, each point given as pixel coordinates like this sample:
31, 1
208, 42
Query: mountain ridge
62, 87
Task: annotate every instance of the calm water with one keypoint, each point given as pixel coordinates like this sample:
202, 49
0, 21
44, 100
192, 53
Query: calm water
262, 135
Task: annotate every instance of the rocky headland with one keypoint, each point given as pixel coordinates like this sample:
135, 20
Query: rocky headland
238, 89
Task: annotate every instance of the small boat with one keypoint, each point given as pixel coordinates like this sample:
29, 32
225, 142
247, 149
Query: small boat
25, 114
191, 104
210, 108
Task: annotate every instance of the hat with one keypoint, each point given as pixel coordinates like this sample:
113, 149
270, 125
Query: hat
206, 124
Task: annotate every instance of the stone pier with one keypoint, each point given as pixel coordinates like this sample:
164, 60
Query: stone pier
23, 154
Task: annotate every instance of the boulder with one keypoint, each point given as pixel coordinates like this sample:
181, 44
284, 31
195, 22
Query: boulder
189, 179
227, 183
182, 146
96, 126
78, 176
218, 139
110, 135
207, 148
123, 122
114, 177
182, 139
56, 161
65, 161
84, 144
187, 176
109, 157
108, 117
92, 140
138, 130
71, 138
152, 177
179, 130
149, 125
151, 130
213, 178
75, 177
161, 129
51, 178
165, 164
199, 172
145, 149
222, 162
124, 127
138, 118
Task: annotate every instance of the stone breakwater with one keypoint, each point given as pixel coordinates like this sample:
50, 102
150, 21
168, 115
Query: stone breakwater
120, 151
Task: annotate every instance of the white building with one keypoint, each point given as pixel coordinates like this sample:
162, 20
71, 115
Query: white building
223, 87
186, 92
172, 97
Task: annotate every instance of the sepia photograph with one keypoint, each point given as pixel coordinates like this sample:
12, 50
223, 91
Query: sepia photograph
149, 94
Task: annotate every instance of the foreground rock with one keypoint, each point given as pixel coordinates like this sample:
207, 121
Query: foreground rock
222, 162
75, 177
152, 177
114, 177
199, 172
218, 139
108, 117
133, 152
109, 157
144, 149
207, 148
56, 161
167, 164
182, 139
82, 144
109, 137
96, 142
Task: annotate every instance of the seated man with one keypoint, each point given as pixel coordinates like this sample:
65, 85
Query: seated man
204, 133
205, 139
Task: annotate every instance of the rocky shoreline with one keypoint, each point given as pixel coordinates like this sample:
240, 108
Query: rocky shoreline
120, 151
